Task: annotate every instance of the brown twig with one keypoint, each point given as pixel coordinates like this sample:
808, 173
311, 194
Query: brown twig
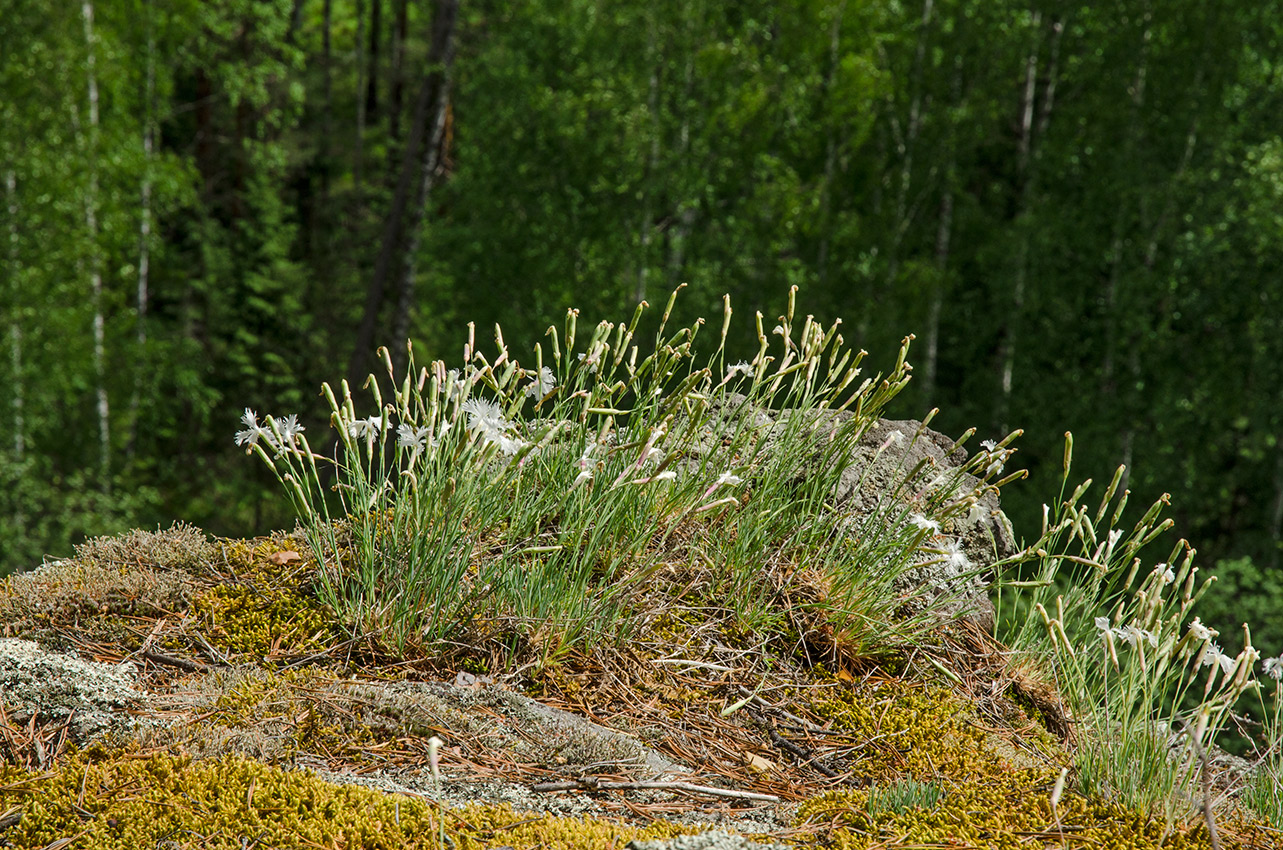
804, 756
171, 661
590, 783
1207, 787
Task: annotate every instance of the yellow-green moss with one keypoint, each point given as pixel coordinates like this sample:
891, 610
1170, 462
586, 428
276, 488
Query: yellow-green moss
266, 610
925, 732
131, 801
1005, 812
908, 730
258, 620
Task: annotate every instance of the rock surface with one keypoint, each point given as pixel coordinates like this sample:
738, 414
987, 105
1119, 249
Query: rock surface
51, 687
896, 465
885, 455
714, 840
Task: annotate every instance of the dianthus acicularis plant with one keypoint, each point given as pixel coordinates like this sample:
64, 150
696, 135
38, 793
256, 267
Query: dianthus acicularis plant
1144, 680
534, 503
537, 504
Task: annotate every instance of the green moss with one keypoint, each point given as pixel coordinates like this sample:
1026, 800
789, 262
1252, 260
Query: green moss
131, 801
925, 732
258, 621
1008, 811
266, 611
908, 730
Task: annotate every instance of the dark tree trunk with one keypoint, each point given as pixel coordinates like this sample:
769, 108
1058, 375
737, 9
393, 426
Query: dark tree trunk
372, 84
399, 33
428, 107
296, 21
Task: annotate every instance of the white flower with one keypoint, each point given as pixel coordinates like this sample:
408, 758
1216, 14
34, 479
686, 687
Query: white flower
508, 445
1102, 623
542, 384
956, 557
585, 475
976, 513
253, 430
409, 437
1134, 636
290, 429
666, 475
740, 368
925, 524
590, 360
1212, 654
988, 445
727, 479
1165, 573
370, 427
585, 459
1200, 631
484, 416
1273, 668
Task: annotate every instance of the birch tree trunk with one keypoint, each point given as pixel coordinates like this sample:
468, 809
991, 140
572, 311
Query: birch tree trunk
1026, 180
17, 389
429, 173
144, 232
95, 258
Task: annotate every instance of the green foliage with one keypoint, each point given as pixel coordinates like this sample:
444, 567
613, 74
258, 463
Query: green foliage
899, 797
546, 499
1245, 593
1077, 213
1119, 642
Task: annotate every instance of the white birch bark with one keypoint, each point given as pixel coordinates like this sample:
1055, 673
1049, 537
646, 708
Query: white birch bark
1026, 178
95, 257
17, 390
144, 232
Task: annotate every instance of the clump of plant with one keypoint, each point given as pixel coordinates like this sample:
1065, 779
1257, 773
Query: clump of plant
1119, 640
179, 547
1264, 791
904, 795
538, 501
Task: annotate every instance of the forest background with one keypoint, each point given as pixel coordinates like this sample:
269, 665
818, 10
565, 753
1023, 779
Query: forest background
1077, 208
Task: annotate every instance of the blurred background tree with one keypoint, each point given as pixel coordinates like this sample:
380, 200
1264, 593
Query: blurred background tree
214, 205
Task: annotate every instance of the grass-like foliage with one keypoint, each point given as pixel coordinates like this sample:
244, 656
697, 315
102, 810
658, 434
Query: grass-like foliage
535, 504
1120, 642
1264, 792
900, 797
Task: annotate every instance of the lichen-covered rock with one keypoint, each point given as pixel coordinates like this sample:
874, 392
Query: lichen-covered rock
53, 687
894, 466
715, 840
886, 454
